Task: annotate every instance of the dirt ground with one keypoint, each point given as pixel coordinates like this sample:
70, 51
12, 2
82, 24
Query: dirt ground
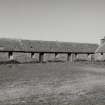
52, 84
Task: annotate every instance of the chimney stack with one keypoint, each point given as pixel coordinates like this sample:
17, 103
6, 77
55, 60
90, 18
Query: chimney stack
102, 41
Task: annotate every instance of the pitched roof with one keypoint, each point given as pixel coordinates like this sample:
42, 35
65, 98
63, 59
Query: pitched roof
10, 44
45, 46
101, 49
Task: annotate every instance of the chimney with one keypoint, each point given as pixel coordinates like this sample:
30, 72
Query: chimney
102, 41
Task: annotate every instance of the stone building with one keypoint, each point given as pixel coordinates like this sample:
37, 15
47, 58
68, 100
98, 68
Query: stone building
32, 50
100, 51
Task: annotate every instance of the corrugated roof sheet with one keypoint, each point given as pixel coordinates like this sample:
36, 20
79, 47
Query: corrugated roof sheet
45, 46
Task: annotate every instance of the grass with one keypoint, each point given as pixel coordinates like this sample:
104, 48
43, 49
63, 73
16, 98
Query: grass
52, 84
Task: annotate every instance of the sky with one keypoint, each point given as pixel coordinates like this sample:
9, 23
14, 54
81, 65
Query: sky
54, 20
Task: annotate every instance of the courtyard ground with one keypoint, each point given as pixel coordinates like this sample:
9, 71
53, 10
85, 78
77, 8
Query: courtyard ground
52, 84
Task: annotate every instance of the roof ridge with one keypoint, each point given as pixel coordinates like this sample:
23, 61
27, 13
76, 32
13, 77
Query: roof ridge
16, 39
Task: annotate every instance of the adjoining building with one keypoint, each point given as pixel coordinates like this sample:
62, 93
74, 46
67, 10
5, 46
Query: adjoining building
100, 51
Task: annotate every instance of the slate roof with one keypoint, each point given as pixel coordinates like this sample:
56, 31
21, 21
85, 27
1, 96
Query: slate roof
45, 46
10, 44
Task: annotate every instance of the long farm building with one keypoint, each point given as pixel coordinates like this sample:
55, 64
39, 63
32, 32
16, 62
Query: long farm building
33, 50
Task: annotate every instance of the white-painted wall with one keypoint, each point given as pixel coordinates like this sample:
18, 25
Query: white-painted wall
99, 57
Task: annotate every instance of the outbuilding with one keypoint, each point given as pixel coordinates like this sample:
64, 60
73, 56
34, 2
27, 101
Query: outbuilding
100, 51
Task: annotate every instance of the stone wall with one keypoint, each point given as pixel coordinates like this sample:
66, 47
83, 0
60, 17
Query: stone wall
99, 57
26, 57
4, 56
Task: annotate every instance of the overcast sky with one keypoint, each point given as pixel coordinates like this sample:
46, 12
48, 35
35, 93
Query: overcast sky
62, 20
